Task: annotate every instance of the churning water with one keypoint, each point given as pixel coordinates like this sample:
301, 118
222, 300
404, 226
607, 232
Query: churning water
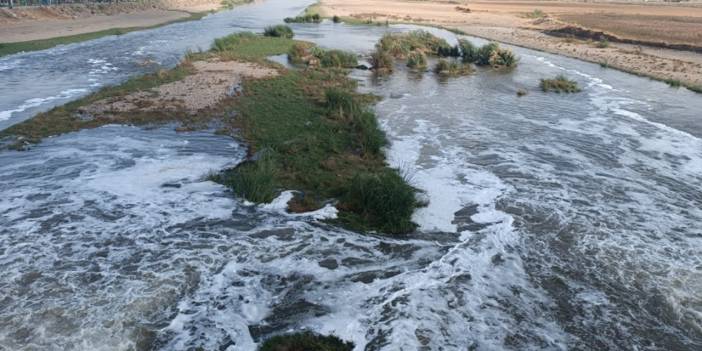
554, 223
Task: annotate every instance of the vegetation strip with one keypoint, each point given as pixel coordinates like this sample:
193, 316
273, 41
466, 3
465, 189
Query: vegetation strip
43, 44
308, 130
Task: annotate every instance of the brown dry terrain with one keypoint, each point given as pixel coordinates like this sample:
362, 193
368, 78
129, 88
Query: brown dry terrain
517, 22
211, 82
34, 23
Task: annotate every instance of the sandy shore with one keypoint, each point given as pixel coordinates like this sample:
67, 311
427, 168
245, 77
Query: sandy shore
51, 28
35, 23
516, 22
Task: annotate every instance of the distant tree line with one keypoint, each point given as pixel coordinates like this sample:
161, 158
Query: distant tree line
13, 3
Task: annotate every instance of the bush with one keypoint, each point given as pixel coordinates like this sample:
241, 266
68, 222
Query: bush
338, 59
313, 18
484, 54
341, 103
382, 61
399, 45
306, 341
503, 58
673, 82
253, 180
560, 84
452, 68
372, 138
279, 31
232, 41
469, 52
448, 51
299, 53
336, 19
417, 60
384, 200
603, 44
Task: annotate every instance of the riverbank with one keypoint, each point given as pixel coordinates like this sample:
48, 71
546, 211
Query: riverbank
31, 29
329, 150
525, 23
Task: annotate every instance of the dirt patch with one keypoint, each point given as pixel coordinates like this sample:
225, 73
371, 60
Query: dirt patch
212, 82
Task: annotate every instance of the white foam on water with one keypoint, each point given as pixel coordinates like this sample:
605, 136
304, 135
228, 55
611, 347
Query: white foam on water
35, 102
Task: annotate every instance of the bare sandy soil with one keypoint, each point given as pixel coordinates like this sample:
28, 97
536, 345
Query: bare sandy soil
516, 22
212, 82
24, 24
51, 28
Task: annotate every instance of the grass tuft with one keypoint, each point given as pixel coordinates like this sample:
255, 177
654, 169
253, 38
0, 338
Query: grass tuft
417, 60
338, 59
305, 341
279, 31
252, 180
603, 43
382, 61
560, 84
452, 68
382, 200
307, 18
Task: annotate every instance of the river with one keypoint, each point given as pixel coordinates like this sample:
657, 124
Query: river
555, 222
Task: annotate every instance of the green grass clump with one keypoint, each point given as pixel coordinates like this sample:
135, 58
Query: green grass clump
253, 180
399, 45
43, 44
382, 61
490, 54
603, 44
560, 84
305, 341
249, 46
338, 59
336, 19
306, 18
537, 13
452, 68
469, 52
382, 200
299, 53
279, 31
323, 132
417, 60
673, 82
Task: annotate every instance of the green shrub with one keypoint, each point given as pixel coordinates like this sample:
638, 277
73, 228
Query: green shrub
452, 68
308, 18
537, 13
341, 103
469, 52
279, 31
382, 61
338, 59
253, 180
399, 45
383, 200
448, 51
673, 82
560, 84
232, 41
416, 60
372, 138
503, 58
299, 53
603, 43
305, 341
336, 19
485, 52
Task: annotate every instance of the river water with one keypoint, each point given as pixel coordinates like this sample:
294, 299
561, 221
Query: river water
555, 222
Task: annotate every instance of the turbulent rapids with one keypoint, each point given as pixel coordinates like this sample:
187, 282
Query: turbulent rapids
554, 222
